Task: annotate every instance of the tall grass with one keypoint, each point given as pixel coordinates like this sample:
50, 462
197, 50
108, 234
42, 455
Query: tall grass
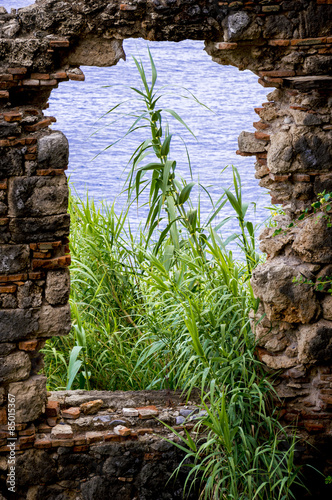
168, 307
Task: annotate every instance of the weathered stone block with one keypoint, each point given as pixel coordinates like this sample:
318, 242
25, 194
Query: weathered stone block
315, 343
314, 241
96, 52
249, 144
30, 398
14, 367
280, 153
9, 129
327, 307
6, 349
54, 321
284, 300
13, 258
37, 196
36, 229
11, 162
57, 287
16, 324
29, 295
53, 151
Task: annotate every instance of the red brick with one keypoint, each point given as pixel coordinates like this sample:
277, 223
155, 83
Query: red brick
298, 108
42, 255
36, 275
94, 437
12, 116
40, 76
3, 416
325, 50
44, 428
241, 153
260, 125
278, 43
29, 431
68, 443
30, 140
81, 448
8, 289
4, 94
14, 277
72, 413
313, 426
59, 43
64, 261
79, 440
114, 438
32, 149
52, 408
30, 83
226, 45
78, 78
17, 142
141, 432
51, 171
262, 136
145, 412
45, 245
3, 184
258, 110
279, 178
262, 161
280, 73
125, 6
30, 157
38, 126
4, 143
28, 345
308, 41
17, 71
4, 78
42, 444
26, 440
60, 75
4, 221
301, 178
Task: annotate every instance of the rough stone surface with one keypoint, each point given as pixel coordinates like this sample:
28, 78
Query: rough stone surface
57, 287
17, 324
14, 367
14, 258
249, 144
35, 229
53, 151
54, 321
30, 398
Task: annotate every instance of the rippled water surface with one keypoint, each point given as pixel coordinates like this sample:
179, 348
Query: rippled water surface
229, 93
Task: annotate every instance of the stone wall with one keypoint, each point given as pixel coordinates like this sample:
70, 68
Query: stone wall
288, 44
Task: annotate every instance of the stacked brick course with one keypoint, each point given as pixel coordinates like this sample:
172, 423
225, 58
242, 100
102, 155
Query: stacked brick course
288, 45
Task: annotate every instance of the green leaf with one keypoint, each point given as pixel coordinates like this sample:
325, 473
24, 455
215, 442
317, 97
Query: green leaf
166, 145
185, 193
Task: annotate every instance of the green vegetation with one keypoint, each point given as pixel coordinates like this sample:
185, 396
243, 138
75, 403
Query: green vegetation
168, 307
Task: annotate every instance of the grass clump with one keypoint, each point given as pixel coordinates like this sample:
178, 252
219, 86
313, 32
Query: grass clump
168, 307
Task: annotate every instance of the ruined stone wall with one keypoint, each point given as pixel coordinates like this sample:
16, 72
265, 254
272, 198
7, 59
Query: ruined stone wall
288, 44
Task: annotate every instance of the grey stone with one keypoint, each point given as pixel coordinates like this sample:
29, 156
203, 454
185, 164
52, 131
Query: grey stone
53, 151
278, 27
180, 420
10, 29
17, 324
37, 196
236, 24
37, 229
9, 129
315, 343
2, 397
186, 412
327, 307
11, 162
314, 241
62, 431
54, 321
8, 301
29, 295
6, 348
249, 144
93, 51
14, 258
35, 467
280, 153
30, 398
57, 287
14, 367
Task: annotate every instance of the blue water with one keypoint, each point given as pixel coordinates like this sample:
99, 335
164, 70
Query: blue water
229, 93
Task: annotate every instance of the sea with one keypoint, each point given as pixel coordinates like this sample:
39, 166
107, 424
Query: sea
216, 102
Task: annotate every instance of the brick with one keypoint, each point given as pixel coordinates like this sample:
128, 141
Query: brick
126, 6
17, 71
260, 125
301, 178
28, 345
5, 77
52, 409
262, 161
279, 178
308, 41
298, 108
4, 94
262, 136
66, 443
13, 277
94, 437
48, 83
241, 153
59, 43
44, 428
45, 245
40, 76
36, 275
51, 171
4, 221
30, 157
26, 440
30, 140
8, 288
79, 440
17, 142
258, 110
42, 444
121, 430
226, 45
64, 261
32, 149
270, 8
114, 438
81, 448
42, 255
279, 43
280, 73
261, 155
29, 431
78, 78
71, 413
12, 116
313, 426
91, 407
4, 143
3, 416
60, 75
30, 83
38, 126
141, 432
145, 412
